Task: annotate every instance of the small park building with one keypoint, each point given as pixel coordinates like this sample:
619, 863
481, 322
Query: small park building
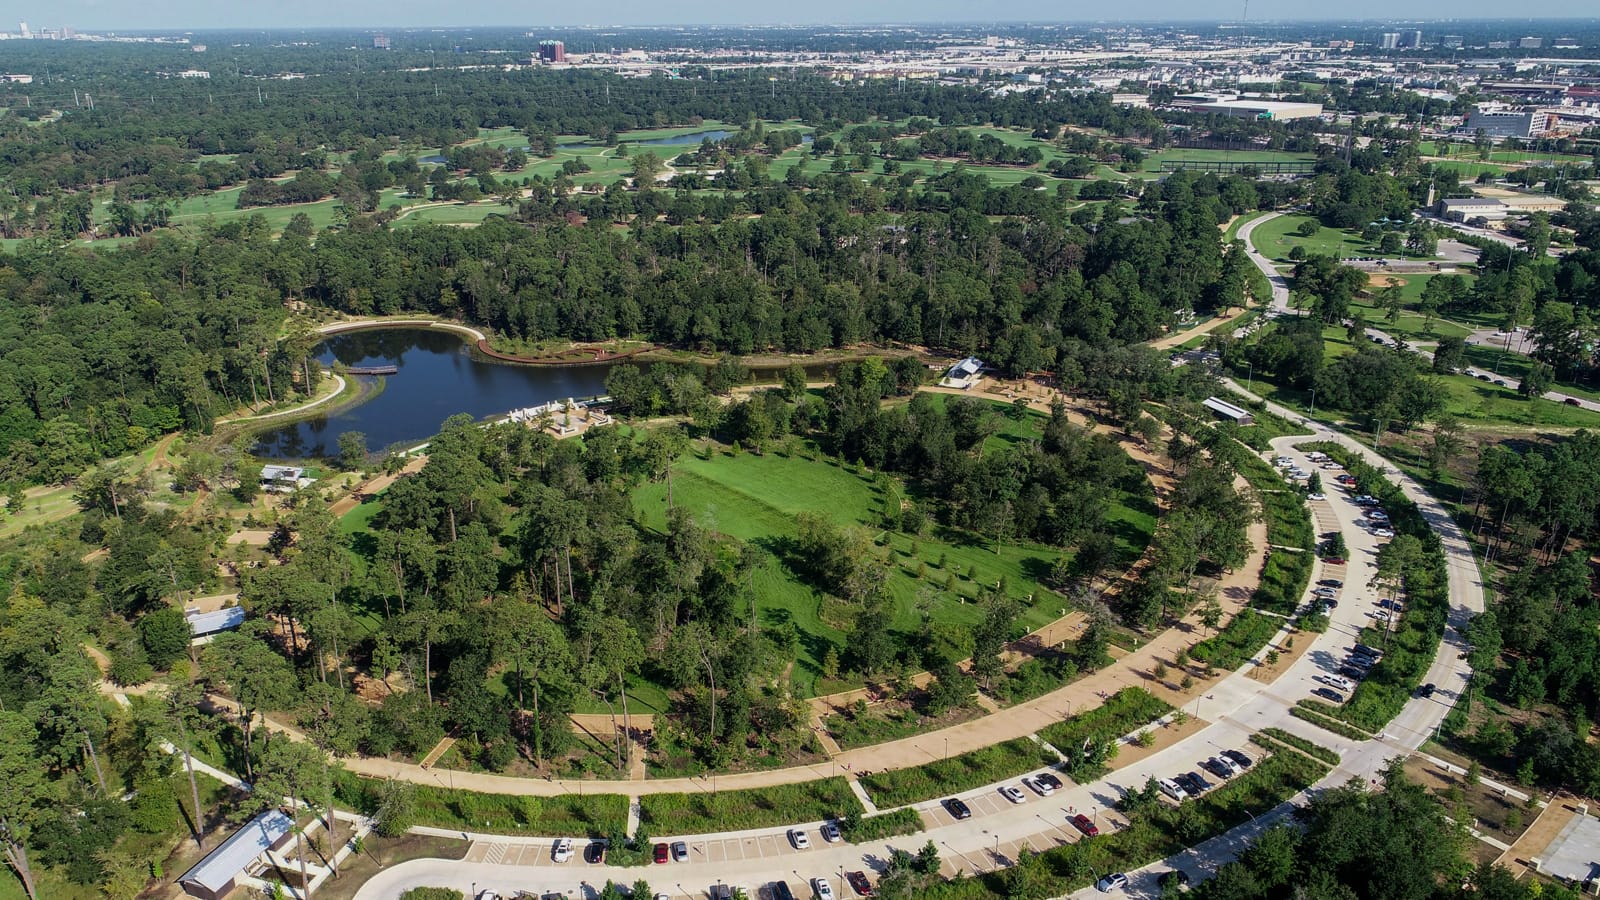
1227, 412
218, 873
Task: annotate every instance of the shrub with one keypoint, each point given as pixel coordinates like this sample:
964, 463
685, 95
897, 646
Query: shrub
864, 829
959, 773
702, 812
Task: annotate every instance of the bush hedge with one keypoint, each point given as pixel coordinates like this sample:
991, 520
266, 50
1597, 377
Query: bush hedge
1266, 736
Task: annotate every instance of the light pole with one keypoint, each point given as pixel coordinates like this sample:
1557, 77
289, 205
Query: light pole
1313, 403
946, 748
1250, 380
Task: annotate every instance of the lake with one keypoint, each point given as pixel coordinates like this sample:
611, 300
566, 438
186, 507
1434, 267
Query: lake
438, 378
677, 140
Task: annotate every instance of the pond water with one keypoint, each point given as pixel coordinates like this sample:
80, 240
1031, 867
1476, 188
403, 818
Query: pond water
691, 138
438, 378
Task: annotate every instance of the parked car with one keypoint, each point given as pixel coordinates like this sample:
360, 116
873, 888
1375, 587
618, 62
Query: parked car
1426, 690
823, 889
1048, 780
1352, 672
1172, 789
1012, 793
662, 854
1333, 560
1395, 605
780, 891
595, 853
1325, 592
1037, 786
1329, 694
488, 895
1218, 766
1086, 825
1333, 681
799, 840
1572, 401
860, 883
1199, 781
1239, 759
680, 851
1367, 650
562, 851
1317, 496
1384, 533
1111, 882
1330, 583
830, 832
957, 808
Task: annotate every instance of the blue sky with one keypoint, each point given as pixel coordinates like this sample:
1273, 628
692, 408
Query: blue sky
131, 14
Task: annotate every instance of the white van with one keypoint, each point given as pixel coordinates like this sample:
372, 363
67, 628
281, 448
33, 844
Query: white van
1171, 789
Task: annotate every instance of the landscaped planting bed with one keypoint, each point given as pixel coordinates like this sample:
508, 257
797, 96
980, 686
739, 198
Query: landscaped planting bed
1123, 713
957, 774
1267, 737
711, 810
592, 815
862, 829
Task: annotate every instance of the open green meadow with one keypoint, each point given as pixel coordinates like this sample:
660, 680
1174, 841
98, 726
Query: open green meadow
1412, 326
1274, 239
755, 499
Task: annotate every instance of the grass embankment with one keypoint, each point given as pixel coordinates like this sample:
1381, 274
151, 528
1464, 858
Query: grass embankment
1284, 575
1408, 649
1269, 737
1155, 831
1123, 713
959, 773
864, 829
592, 815
710, 811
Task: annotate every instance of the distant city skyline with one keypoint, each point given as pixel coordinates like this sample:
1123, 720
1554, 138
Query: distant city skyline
203, 14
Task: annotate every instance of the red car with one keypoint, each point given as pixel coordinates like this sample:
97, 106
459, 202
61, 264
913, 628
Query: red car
858, 881
1086, 825
661, 854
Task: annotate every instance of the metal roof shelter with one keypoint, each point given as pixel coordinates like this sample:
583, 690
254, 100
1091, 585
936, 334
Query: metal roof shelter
215, 875
1228, 411
206, 624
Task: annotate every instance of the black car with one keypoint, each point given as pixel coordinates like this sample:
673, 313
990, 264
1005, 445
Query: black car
1191, 783
1200, 782
1326, 582
1243, 762
1175, 878
1352, 673
1329, 694
1050, 781
780, 891
957, 808
1426, 690
1216, 768
595, 852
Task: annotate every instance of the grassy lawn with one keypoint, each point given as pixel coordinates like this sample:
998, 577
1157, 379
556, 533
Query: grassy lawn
595, 815
1276, 238
1412, 326
1516, 365
755, 499
712, 810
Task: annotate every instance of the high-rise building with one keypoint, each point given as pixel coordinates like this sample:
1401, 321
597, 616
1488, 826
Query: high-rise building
1413, 40
23, 28
1390, 41
1531, 43
1451, 42
380, 42
552, 51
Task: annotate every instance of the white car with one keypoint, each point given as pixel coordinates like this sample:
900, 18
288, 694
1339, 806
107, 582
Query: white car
823, 889
799, 840
1382, 532
1317, 496
1013, 793
1335, 682
488, 895
1037, 786
562, 850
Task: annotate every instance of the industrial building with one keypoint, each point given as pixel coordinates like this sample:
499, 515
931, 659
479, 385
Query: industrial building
1460, 210
552, 52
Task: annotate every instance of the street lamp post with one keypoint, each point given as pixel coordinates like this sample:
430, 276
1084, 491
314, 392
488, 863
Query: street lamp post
1313, 403
946, 748
1250, 380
